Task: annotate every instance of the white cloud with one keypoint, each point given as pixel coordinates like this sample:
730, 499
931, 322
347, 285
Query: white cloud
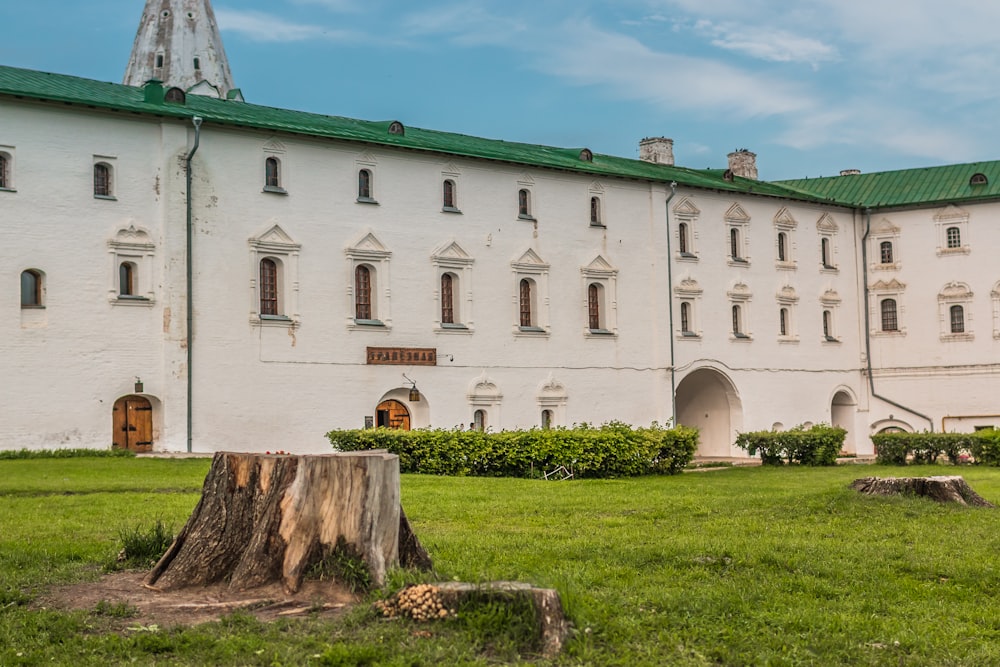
345, 6
766, 43
263, 27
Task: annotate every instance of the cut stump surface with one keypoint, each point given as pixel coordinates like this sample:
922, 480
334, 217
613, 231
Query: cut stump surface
944, 489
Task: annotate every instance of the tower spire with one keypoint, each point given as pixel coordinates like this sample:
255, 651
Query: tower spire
178, 42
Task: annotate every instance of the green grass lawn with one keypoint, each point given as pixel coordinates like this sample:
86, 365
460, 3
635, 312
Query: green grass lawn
734, 567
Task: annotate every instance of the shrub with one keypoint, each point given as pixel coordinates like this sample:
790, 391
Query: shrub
924, 447
816, 446
63, 453
612, 450
985, 447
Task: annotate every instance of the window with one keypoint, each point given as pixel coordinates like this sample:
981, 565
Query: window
546, 419
682, 238
957, 319
735, 251
524, 204
787, 301
739, 298
5, 171
594, 307
484, 397
525, 304
738, 322
130, 274
686, 294
368, 284
448, 196
738, 224
885, 252
978, 179
954, 237
824, 245
197, 62
479, 420
159, 60
595, 212
889, 318
102, 180
365, 186
272, 175
269, 288
685, 318
31, 289
552, 400
828, 229
783, 322
531, 303
447, 299
687, 230
126, 279
782, 247
600, 286
828, 333
363, 293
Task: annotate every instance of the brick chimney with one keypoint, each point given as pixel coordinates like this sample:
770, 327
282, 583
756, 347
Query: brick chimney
658, 150
743, 163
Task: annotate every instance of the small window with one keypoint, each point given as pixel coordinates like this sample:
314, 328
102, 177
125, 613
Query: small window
828, 326
397, 128
595, 211
685, 318
682, 238
524, 204
586, 155
738, 322
159, 60
31, 289
783, 321
782, 247
363, 293
365, 185
126, 279
957, 319
447, 299
268, 287
479, 420
175, 94
525, 303
197, 63
546, 419
734, 245
978, 179
448, 198
272, 174
885, 252
4, 171
102, 180
890, 321
824, 252
594, 307
954, 237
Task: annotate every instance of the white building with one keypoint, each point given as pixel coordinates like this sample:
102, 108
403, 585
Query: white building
336, 264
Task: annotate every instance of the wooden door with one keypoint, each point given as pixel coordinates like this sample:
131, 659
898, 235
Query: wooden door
132, 424
392, 414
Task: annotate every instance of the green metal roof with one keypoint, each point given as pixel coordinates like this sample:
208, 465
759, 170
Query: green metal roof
907, 187
35, 85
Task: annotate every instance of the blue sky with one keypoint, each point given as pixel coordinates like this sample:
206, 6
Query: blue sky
812, 86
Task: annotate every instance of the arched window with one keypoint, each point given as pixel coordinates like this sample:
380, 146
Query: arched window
890, 321
365, 185
102, 180
685, 317
479, 420
978, 179
447, 299
824, 251
954, 237
4, 166
957, 319
272, 173
523, 203
682, 238
525, 303
31, 289
783, 321
363, 293
449, 195
782, 243
737, 321
546, 419
268, 287
126, 279
594, 307
885, 252
734, 244
828, 325
595, 210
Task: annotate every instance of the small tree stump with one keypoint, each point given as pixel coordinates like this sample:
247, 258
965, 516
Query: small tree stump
268, 518
950, 489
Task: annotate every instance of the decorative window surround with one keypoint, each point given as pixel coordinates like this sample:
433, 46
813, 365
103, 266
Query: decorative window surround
785, 224
133, 246
105, 174
598, 215
739, 297
275, 244
955, 218
552, 396
530, 266
526, 204
275, 171
884, 232
827, 228
600, 272
881, 291
364, 186
995, 298
368, 251
830, 301
687, 292
486, 396
737, 236
7, 169
955, 294
686, 213
787, 299
451, 258
450, 174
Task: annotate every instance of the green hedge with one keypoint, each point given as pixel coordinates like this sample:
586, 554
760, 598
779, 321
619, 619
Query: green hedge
63, 453
816, 446
612, 450
902, 448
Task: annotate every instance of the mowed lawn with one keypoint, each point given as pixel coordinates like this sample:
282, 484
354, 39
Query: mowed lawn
756, 566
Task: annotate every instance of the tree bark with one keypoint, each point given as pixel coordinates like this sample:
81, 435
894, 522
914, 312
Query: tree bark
268, 518
951, 489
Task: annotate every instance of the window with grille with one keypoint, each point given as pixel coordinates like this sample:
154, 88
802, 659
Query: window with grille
523, 203
363, 293
782, 242
824, 252
4, 177
890, 321
447, 299
685, 317
783, 321
365, 185
272, 175
885, 252
525, 303
594, 307
268, 287
954, 237
682, 238
737, 321
595, 210
102, 180
957, 319
735, 249
448, 198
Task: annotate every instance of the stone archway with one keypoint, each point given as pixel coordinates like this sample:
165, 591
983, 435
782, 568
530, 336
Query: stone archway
707, 400
395, 405
843, 410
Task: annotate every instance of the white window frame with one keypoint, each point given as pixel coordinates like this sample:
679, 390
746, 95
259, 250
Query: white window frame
133, 245
552, 396
369, 251
596, 190
451, 172
880, 291
275, 244
830, 301
485, 395
737, 218
452, 258
788, 299
884, 231
955, 294
785, 223
527, 183
827, 228
10, 153
600, 272
740, 295
111, 162
531, 267
685, 212
369, 162
276, 150
952, 216
687, 291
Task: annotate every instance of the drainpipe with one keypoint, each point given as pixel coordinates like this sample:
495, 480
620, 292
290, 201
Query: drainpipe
190, 281
868, 336
670, 311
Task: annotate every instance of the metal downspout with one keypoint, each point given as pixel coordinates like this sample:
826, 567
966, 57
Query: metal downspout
190, 282
868, 335
670, 311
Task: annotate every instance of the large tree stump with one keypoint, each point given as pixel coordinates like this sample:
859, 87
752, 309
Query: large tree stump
950, 489
268, 518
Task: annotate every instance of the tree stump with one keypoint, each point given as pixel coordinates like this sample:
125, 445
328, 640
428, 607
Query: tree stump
268, 518
944, 489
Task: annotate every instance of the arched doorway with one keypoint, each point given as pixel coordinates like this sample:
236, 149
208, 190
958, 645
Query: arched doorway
707, 400
132, 424
392, 414
842, 414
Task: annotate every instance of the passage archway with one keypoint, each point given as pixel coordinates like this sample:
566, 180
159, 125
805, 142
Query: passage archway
843, 409
392, 414
132, 424
707, 400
